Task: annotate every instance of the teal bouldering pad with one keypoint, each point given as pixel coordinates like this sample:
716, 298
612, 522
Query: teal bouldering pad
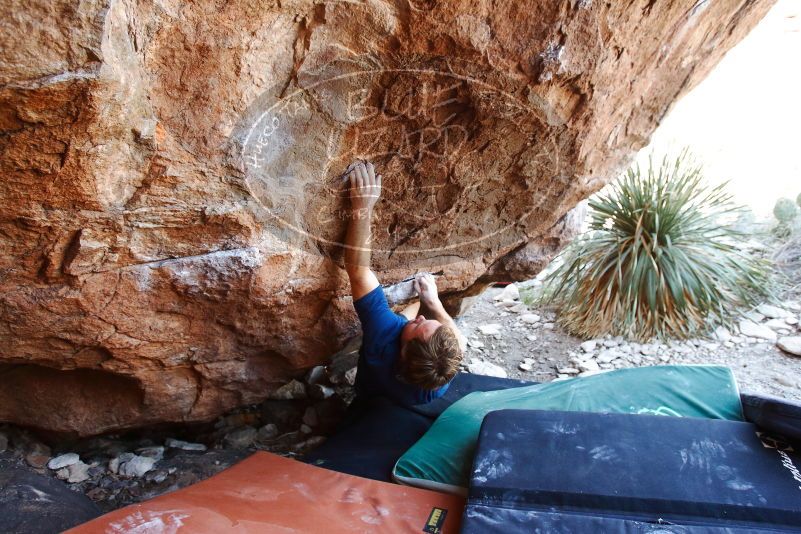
442, 458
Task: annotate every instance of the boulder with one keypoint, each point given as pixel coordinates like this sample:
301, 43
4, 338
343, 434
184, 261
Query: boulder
510, 292
171, 209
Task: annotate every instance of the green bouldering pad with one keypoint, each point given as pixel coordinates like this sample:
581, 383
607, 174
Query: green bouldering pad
442, 458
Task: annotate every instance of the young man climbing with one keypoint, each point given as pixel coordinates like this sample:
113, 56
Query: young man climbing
409, 358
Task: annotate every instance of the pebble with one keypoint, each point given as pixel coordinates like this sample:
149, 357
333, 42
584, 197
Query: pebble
530, 318
518, 308
531, 337
589, 346
792, 321
3, 442
609, 343
184, 445
526, 364
306, 429
290, 391
589, 366
548, 326
785, 381
607, 356
475, 343
790, 344
490, 329
64, 460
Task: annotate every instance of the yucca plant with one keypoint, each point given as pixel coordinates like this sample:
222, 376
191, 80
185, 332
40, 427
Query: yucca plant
658, 260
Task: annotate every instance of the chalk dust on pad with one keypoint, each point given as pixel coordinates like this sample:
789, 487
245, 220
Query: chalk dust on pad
442, 458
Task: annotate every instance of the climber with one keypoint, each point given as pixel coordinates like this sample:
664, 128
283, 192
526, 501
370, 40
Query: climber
409, 358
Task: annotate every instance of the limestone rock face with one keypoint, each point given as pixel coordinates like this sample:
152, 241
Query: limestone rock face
171, 194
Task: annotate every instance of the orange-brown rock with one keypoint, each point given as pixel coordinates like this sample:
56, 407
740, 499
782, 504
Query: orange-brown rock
171, 203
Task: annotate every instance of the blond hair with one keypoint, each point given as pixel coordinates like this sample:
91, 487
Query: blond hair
433, 363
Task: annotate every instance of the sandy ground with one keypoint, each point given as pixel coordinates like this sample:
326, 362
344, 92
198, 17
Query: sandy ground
759, 367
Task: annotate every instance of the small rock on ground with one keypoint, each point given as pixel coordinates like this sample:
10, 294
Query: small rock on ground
289, 391
790, 344
481, 367
490, 329
241, 438
64, 460
136, 466
751, 329
184, 445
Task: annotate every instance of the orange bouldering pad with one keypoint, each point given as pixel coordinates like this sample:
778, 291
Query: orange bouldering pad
270, 494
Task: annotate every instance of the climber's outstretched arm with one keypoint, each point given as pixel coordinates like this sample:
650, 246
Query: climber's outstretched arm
365, 189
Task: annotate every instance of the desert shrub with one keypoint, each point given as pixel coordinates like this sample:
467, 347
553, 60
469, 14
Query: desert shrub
786, 213
658, 259
787, 256
785, 210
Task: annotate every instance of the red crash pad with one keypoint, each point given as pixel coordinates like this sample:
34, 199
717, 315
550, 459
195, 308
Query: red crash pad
269, 493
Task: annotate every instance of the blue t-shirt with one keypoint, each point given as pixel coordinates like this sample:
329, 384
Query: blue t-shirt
377, 373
